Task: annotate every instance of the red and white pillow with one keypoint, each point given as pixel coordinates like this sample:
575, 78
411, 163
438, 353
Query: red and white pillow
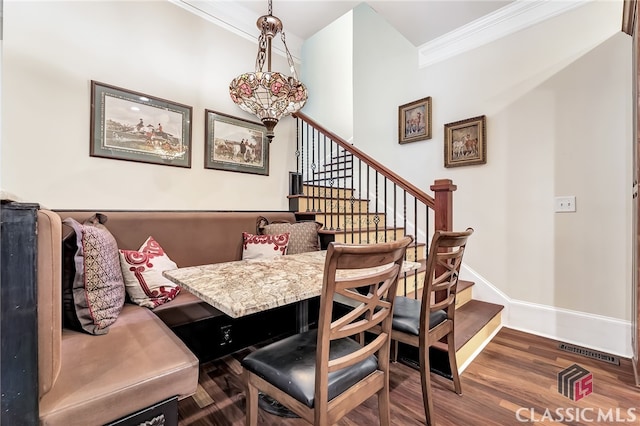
259, 246
142, 273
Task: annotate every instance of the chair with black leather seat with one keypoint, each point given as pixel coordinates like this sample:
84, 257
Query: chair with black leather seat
323, 374
424, 322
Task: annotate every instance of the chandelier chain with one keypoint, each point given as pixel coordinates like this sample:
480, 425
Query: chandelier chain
262, 52
289, 57
270, 8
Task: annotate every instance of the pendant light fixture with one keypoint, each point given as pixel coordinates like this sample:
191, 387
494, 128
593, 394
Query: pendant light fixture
266, 94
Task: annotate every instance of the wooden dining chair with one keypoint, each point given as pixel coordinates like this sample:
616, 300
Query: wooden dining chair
323, 374
424, 322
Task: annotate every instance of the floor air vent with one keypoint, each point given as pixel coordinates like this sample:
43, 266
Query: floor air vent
589, 353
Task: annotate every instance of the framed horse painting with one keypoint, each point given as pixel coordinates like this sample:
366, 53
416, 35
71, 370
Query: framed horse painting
414, 121
127, 125
235, 145
465, 142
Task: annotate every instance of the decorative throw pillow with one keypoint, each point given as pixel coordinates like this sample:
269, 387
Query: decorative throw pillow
304, 235
93, 294
142, 271
258, 246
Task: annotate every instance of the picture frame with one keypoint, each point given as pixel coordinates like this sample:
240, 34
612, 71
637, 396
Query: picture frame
465, 142
235, 144
414, 121
133, 126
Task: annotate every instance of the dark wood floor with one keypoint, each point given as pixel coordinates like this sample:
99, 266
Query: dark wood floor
515, 374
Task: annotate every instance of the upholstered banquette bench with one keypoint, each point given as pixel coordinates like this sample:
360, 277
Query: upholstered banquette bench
136, 369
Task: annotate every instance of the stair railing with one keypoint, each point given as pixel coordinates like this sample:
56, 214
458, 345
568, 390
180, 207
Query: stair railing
360, 200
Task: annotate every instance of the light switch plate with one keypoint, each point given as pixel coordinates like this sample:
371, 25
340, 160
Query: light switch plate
565, 204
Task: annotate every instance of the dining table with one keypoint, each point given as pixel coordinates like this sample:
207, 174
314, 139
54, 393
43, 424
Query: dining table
244, 287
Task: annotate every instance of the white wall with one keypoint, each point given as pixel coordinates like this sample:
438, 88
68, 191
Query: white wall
557, 97
327, 60
385, 76
53, 49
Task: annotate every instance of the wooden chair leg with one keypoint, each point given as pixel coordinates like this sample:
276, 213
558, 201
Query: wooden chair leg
251, 391
453, 363
394, 350
384, 406
425, 379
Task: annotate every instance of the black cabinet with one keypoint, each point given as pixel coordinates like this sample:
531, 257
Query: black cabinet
18, 321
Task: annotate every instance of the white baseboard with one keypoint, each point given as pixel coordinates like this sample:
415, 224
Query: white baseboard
605, 334
592, 331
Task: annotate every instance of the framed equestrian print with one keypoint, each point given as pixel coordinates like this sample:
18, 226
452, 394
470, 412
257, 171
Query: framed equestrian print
414, 121
127, 125
235, 145
465, 142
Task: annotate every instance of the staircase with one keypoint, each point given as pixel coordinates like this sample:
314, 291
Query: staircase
476, 321
359, 201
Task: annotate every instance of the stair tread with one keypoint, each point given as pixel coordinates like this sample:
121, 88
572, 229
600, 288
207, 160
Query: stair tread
356, 213
358, 230
311, 185
328, 198
472, 317
331, 178
464, 284
335, 170
343, 154
339, 165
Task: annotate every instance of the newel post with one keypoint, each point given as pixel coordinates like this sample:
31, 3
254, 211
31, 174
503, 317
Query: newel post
443, 189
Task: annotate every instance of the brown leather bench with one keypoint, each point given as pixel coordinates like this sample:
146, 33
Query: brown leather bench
140, 368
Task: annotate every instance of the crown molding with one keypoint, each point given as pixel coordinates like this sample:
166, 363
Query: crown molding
505, 21
238, 20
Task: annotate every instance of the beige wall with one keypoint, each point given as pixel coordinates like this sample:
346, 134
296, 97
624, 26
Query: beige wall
51, 52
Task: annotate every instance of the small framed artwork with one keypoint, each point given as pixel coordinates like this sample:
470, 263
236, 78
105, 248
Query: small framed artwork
127, 125
414, 121
465, 142
235, 144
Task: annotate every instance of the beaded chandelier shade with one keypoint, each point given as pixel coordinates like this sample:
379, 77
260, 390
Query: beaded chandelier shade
266, 94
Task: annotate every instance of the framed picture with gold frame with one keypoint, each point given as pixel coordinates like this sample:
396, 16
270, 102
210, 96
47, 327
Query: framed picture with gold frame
465, 142
414, 121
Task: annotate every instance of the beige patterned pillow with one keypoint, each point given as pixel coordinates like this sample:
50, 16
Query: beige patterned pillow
94, 293
303, 235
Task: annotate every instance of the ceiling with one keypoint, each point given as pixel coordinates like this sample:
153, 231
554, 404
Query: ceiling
419, 21
438, 28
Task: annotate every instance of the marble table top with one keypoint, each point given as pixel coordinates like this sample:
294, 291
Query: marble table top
245, 287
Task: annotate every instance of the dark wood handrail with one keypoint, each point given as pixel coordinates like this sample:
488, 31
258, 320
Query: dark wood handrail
402, 183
